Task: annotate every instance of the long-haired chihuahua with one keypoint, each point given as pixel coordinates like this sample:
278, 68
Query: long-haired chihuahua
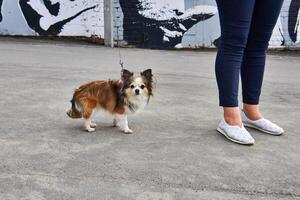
121, 97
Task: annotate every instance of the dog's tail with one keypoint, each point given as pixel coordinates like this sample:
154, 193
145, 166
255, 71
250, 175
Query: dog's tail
73, 112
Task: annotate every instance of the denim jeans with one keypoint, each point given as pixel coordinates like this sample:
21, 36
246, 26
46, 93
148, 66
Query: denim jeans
246, 28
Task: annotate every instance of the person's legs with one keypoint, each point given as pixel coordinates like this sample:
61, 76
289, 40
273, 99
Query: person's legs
235, 20
264, 19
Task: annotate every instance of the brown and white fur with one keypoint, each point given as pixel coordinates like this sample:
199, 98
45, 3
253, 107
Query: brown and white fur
119, 97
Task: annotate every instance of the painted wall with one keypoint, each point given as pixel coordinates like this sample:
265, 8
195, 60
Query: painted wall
143, 23
52, 17
159, 23
189, 23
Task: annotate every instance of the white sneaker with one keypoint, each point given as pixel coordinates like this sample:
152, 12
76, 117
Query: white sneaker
235, 133
262, 124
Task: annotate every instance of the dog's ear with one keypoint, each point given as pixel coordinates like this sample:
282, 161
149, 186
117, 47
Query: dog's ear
148, 77
147, 74
127, 74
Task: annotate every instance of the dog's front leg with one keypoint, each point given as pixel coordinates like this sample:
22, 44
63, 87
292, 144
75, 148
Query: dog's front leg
116, 121
87, 125
123, 123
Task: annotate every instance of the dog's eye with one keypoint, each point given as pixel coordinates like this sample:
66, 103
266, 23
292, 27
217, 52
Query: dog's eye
132, 86
142, 87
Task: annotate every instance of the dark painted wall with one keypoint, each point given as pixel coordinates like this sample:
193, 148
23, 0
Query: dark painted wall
146, 23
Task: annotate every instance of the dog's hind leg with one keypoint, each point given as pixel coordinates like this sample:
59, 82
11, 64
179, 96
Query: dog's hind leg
88, 108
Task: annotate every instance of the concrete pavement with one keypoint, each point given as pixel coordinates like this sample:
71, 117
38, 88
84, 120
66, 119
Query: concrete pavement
174, 153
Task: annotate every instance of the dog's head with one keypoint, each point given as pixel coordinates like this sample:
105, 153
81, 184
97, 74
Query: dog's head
138, 86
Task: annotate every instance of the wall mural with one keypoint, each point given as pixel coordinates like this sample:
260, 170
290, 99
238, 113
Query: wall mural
56, 17
47, 17
159, 25
163, 24
143, 23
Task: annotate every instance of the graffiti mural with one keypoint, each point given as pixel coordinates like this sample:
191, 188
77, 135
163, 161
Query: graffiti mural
157, 25
142, 23
52, 17
286, 31
47, 18
190, 23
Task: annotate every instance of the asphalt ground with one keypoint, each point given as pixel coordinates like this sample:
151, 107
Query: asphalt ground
175, 152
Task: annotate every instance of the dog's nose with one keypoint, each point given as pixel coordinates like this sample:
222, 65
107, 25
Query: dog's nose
137, 91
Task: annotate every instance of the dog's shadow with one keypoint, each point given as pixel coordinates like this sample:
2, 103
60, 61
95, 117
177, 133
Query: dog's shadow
101, 128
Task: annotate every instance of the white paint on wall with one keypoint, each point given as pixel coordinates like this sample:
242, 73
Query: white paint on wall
297, 29
276, 38
87, 24
165, 10
169, 33
284, 23
118, 20
204, 33
182, 27
200, 9
161, 9
13, 21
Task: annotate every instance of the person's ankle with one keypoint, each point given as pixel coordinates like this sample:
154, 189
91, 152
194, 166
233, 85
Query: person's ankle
232, 116
252, 112
233, 121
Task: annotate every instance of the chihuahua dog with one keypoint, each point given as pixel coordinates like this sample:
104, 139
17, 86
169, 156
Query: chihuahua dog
119, 97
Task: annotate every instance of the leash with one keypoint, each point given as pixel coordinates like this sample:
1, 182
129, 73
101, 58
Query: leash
121, 81
120, 56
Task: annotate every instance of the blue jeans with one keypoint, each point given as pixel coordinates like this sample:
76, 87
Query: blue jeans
246, 28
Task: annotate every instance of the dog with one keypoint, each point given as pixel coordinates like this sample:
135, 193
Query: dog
121, 97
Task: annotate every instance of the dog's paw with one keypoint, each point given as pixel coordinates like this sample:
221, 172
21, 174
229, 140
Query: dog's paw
93, 125
127, 131
89, 129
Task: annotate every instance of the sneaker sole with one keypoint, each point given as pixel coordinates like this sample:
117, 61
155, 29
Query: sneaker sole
231, 139
262, 130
